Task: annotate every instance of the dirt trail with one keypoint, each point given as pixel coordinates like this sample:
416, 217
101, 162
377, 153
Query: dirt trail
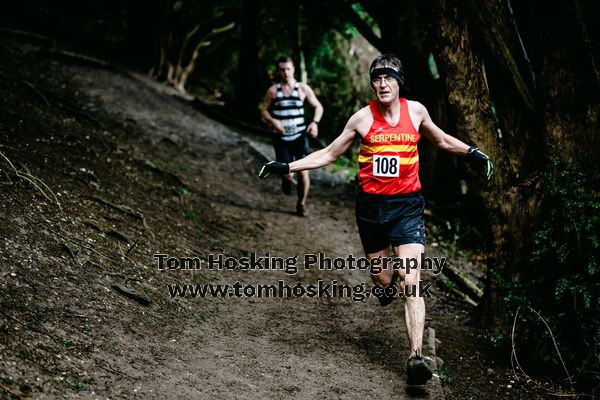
267, 348
66, 333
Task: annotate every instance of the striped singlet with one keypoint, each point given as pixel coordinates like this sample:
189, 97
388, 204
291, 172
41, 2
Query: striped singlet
389, 160
290, 111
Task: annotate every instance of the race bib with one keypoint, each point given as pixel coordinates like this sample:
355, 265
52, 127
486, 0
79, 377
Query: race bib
388, 166
289, 129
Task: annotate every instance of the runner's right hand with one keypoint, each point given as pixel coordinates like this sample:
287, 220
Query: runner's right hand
278, 126
273, 167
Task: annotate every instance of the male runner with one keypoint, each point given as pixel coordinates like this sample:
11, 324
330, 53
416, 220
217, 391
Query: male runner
283, 109
389, 207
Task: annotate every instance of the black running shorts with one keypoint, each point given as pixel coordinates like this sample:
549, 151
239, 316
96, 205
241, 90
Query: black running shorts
383, 220
293, 150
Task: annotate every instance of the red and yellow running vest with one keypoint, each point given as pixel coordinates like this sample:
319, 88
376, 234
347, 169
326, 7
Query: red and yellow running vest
389, 160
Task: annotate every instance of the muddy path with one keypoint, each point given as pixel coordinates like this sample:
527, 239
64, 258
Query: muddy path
107, 142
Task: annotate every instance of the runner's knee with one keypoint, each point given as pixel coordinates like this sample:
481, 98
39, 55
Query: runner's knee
303, 176
412, 278
381, 279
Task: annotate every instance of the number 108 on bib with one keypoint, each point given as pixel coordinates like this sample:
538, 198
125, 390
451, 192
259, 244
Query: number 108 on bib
388, 166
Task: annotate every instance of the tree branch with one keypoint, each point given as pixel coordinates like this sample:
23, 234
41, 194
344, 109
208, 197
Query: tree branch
360, 24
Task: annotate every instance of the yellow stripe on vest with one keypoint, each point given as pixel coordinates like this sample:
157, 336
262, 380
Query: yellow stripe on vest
403, 161
395, 148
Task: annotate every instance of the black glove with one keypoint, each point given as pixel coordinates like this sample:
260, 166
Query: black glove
273, 167
479, 157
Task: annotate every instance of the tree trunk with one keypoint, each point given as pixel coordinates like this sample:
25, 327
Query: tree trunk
559, 106
469, 98
246, 89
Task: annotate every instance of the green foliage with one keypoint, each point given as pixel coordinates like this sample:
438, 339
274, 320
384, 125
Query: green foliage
447, 284
347, 166
446, 374
498, 339
338, 72
80, 387
189, 215
569, 239
364, 15
562, 279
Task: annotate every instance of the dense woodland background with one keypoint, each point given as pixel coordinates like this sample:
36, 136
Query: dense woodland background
519, 79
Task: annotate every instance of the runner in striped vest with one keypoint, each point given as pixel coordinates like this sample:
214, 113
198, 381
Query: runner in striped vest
290, 111
283, 109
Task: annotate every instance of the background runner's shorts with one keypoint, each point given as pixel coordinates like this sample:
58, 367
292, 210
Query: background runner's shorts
293, 150
383, 220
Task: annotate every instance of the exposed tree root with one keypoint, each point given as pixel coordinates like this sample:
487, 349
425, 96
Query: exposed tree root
151, 166
126, 210
35, 181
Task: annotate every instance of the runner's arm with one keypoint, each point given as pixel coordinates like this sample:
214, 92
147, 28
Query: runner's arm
266, 115
451, 144
313, 101
438, 137
332, 152
313, 126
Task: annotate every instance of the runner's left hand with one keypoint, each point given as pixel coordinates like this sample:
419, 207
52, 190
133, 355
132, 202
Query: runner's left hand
313, 129
479, 157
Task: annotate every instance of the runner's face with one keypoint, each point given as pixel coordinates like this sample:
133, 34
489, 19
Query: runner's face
286, 71
386, 88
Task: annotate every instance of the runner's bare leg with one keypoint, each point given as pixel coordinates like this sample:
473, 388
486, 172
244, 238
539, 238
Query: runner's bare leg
414, 306
303, 186
384, 277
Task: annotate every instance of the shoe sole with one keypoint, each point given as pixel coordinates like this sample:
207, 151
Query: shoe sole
421, 375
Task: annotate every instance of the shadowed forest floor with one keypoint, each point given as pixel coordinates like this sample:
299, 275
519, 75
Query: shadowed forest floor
138, 172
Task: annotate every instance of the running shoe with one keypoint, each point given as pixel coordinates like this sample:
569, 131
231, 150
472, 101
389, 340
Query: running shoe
301, 210
418, 371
